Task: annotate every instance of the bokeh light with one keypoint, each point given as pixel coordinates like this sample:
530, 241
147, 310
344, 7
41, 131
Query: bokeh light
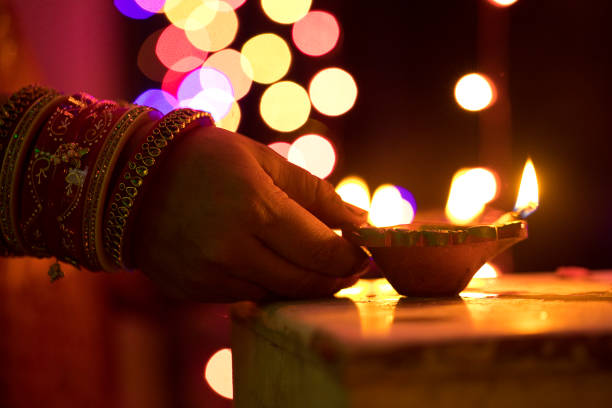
176, 52
318, 153
388, 208
502, 3
408, 196
266, 58
316, 34
333, 91
228, 61
471, 189
172, 81
209, 90
158, 99
131, 9
235, 3
528, 197
281, 148
152, 6
286, 11
486, 271
147, 60
218, 373
217, 33
474, 92
231, 120
354, 190
284, 106
179, 11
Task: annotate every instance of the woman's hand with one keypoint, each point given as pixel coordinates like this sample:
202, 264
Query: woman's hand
229, 219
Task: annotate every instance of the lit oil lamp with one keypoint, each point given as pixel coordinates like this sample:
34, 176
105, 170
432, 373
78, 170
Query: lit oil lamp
432, 259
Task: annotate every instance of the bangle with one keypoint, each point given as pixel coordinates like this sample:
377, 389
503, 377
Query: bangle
10, 112
127, 193
62, 220
34, 194
94, 257
14, 156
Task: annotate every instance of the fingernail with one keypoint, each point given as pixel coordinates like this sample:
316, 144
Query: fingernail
360, 212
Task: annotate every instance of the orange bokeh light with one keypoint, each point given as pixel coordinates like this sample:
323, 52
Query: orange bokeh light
218, 373
474, 92
176, 52
228, 61
316, 34
502, 3
216, 34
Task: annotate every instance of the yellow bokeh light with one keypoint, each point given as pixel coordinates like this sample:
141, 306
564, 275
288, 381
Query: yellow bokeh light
286, 11
266, 58
528, 196
471, 189
354, 190
202, 15
216, 34
474, 92
231, 120
333, 91
486, 271
228, 62
218, 373
284, 106
179, 11
503, 3
318, 154
388, 208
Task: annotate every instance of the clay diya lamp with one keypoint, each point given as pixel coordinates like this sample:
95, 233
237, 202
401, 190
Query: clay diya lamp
423, 259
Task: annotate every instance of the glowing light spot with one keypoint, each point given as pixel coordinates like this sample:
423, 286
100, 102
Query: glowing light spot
333, 91
502, 3
318, 153
388, 208
152, 6
284, 106
176, 52
286, 11
471, 189
158, 99
179, 11
266, 58
231, 120
209, 90
131, 9
281, 148
147, 61
407, 196
487, 271
354, 190
477, 295
216, 34
235, 3
218, 373
316, 34
474, 92
172, 80
528, 196
228, 61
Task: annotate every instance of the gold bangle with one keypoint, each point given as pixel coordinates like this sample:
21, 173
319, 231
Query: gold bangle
10, 174
126, 192
93, 212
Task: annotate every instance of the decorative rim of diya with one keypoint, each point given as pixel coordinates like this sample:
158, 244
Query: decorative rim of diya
423, 234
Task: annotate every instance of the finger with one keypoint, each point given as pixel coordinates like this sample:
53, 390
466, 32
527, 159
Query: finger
298, 236
316, 195
279, 276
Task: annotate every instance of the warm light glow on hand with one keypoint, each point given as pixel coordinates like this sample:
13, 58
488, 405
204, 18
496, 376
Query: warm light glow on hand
474, 92
528, 196
470, 190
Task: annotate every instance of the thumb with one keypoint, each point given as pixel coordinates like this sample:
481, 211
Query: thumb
316, 195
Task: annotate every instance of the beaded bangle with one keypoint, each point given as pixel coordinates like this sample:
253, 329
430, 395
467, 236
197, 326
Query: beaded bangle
10, 112
40, 164
94, 257
62, 220
128, 190
10, 174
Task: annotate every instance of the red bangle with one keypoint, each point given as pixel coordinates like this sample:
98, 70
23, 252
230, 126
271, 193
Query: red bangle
129, 187
40, 165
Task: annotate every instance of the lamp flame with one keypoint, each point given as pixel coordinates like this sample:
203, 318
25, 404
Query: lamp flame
471, 189
388, 208
528, 196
